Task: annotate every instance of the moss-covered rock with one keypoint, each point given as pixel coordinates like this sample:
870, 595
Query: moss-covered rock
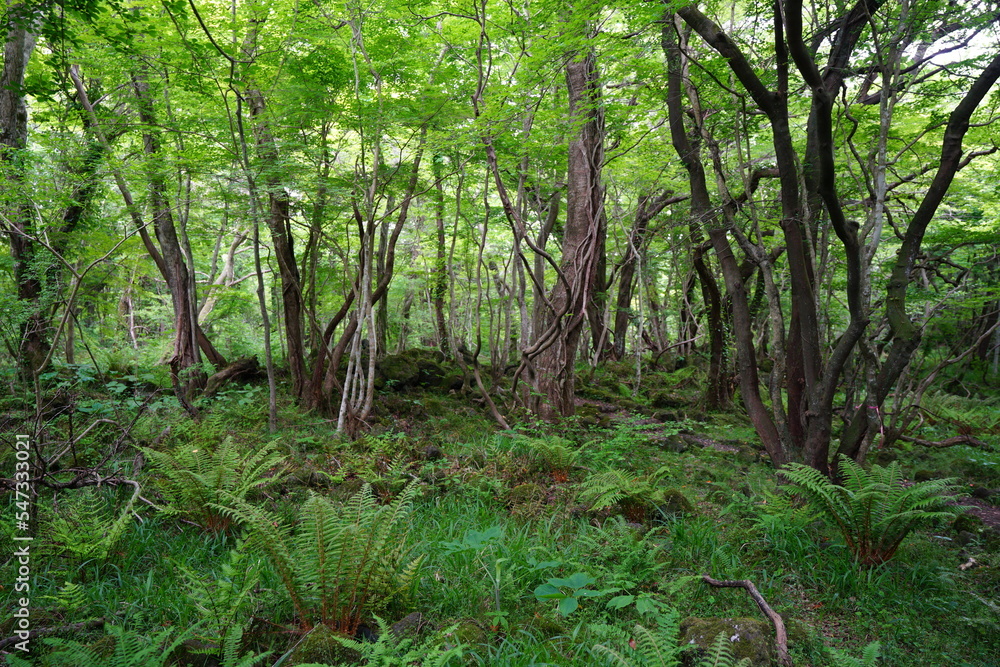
666, 399
526, 493
414, 368
672, 501
748, 637
470, 632
967, 523
320, 645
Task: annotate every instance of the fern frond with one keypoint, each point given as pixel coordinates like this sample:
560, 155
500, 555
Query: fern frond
874, 510
720, 654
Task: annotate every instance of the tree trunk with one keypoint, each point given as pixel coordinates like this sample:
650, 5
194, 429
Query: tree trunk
556, 343
33, 345
185, 363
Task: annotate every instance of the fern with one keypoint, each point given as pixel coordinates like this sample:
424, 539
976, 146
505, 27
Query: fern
721, 655
652, 648
554, 455
196, 480
873, 510
224, 599
131, 650
70, 597
636, 495
392, 650
869, 657
81, 527
342, 563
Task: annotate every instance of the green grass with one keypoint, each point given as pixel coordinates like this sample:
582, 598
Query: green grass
486, 548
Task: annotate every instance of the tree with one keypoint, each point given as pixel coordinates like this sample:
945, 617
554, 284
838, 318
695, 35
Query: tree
812, 377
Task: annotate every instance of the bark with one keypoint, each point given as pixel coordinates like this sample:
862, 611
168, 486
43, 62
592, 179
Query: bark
33, 345
186, 359
557, 342
282, 241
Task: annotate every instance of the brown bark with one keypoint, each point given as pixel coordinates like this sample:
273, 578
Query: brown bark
20, 42
279, 223
556, 343
186, 359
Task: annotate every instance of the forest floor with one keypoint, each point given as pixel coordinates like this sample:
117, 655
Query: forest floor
543, 545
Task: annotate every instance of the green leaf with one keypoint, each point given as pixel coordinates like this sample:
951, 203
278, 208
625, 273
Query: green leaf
548, 592
621, 601
568, 605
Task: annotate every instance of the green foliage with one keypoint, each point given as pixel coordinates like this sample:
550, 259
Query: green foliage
651, 648
638, 496
70, 597
874, 510
555, 455
197, 482
720, 654
568, 591
224, 599
392, 650
869, 657
130, 650
81, 526
343, 563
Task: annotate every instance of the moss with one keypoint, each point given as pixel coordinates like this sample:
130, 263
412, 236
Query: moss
525, 493
749, 638
967, 523
672, 501
470, 632
321, 645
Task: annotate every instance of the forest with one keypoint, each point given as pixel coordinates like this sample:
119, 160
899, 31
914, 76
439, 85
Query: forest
500, 332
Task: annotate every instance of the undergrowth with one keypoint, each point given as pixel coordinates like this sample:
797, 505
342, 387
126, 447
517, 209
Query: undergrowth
467, 527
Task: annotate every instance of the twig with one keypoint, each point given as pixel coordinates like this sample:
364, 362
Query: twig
72, 627
781, 637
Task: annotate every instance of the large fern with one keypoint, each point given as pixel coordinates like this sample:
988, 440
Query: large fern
874, 510
196, 479
636, 495
81, 527
343, 563
650, 648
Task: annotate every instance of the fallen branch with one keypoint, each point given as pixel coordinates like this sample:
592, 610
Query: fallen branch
781, 637
947, 442
41, 632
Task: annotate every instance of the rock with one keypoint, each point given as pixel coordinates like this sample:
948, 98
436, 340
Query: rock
672, 501
967, 523
469, 632
663, 399
981, 492
432, 453
321, 646
413, 368
410, 625
749, 638
674, 443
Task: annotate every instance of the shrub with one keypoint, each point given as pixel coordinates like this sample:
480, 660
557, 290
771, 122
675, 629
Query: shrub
343, 563
874, 510
197, 481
